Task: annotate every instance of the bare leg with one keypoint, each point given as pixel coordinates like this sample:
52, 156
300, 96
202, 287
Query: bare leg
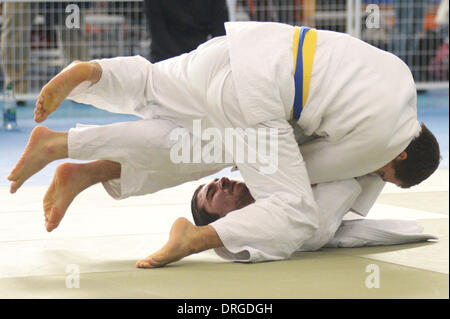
70, 180
58, 88
44, 146
185, 239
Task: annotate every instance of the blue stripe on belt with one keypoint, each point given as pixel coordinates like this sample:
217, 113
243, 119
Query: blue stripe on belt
298, 76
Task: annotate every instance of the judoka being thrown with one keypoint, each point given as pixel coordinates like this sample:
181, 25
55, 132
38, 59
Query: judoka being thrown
349, 106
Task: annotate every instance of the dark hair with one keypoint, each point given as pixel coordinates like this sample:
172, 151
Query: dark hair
423, 157
201, 216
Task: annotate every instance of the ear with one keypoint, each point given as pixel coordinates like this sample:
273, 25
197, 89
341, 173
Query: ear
403, 155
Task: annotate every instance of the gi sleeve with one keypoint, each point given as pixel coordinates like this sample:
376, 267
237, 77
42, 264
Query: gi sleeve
284, 214
371, 188
334, 200
356, 154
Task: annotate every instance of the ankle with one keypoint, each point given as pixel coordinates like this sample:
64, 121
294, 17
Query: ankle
85, 174
56, 147
103, 170
95, 72
205, 237
83, 71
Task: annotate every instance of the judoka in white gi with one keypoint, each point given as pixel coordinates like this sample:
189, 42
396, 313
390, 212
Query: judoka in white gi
335, 199
350, 105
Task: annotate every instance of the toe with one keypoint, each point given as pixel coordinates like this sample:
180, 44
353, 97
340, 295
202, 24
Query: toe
143, 263
39, 118
14, 186
13, 175
53, 220
50, 226
38, 114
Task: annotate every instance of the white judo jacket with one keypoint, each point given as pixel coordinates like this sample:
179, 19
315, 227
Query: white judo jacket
360, 114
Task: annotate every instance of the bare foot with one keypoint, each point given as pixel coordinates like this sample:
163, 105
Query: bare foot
58, 88
69, 180
43, 147
181, 243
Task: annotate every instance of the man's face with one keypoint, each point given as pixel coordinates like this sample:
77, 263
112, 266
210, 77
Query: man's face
387, 174
222, 196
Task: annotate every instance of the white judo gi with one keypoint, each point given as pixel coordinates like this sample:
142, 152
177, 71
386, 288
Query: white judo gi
335, 200
360, 113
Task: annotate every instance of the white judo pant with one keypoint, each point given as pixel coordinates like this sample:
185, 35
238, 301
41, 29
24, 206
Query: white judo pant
143, 150
143, 147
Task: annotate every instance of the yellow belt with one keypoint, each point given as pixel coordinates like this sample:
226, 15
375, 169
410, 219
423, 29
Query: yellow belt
304, 38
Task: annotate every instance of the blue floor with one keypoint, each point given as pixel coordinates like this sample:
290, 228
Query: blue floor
433, 110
